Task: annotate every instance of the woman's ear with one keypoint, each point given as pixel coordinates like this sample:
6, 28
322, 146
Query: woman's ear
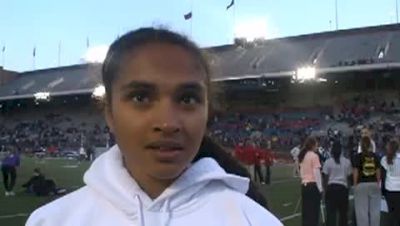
108, 116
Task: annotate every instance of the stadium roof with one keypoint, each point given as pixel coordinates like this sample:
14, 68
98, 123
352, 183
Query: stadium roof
369, 48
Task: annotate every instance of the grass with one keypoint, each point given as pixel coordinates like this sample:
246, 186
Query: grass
14, 211
282, 195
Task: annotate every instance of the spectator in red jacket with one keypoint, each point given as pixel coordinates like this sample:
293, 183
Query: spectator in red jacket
268, 162
258, 161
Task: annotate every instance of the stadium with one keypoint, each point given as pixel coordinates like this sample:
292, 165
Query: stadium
278, 91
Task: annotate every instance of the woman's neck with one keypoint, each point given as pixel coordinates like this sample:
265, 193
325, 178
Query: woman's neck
152, 186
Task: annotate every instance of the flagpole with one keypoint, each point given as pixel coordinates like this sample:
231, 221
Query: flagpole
59, 54
34, 58
234, 20
87, 42
336, 14
3, 56
191, 20
397, 11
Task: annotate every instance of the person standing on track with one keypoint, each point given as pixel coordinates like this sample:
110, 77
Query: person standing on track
295, 155
337, 171
9, 170
366, 179
268, 162
391, 181
311, 189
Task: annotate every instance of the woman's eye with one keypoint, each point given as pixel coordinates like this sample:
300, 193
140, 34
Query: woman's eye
189, 100
140, 98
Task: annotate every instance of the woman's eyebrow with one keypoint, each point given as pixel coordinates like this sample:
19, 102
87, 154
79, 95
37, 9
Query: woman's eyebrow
192, 86
138, 85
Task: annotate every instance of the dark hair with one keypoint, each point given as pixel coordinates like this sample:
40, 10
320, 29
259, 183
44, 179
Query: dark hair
133, 41
336, 151
309, 143
365, 145
393, 148
210, 148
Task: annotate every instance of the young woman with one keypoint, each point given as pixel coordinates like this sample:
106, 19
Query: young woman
391, 175
160, 172
9, 170
310, 173
366, 179
337, 170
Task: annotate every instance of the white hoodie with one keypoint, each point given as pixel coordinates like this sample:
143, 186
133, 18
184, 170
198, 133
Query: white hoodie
203, 195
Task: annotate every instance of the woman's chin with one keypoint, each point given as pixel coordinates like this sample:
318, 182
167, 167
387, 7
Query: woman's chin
168, 171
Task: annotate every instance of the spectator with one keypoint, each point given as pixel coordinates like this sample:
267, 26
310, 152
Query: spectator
365, 132
391, 181
39, 185
337, 171
366, 179
9, 169
268, 162
311, 188
82, 154
258, 159
295, 155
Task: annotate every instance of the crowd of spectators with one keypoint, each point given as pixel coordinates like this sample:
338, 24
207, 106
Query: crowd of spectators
54, 134
279, 131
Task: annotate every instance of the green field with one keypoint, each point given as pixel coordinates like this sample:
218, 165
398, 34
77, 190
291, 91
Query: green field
282, 195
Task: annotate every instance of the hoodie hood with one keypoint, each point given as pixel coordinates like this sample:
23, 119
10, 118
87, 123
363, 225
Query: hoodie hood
110, 179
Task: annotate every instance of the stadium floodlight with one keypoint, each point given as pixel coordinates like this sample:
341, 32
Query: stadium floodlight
306, 73
42, 96
99, 92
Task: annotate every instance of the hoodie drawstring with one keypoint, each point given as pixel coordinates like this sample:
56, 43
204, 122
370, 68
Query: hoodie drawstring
140, 213
166, 213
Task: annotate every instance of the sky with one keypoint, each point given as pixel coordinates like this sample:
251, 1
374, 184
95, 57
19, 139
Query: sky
60, 30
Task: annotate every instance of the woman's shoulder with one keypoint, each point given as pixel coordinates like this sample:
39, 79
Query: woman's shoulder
255, 213
60, 208
311, 155
234, 201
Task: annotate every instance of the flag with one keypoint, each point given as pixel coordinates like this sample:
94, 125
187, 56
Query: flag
3, 49
34, 51
188, 16
230, 5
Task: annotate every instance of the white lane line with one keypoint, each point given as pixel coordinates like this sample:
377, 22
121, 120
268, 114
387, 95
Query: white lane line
287, 204
13, 215
290, 217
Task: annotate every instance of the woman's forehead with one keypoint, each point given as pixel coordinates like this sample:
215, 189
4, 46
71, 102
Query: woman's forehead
164, 65
165, 85
159, 59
